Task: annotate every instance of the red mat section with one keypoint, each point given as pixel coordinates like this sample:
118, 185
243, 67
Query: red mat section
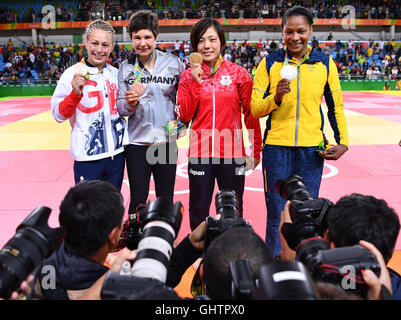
20, 108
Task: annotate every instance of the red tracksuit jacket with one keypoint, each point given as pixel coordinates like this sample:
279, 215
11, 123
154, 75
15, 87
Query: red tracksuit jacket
215, 108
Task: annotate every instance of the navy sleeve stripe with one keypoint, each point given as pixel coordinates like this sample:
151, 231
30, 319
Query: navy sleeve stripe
330, 114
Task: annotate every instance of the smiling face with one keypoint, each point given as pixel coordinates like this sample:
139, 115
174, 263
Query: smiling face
143, 42
99, 46
209, 46
296, 33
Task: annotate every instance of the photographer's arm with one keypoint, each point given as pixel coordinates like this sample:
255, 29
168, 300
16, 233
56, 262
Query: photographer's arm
185, 254
287, 254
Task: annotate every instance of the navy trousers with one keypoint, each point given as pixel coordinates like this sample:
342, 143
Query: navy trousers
107, 169
279, 163
203, 173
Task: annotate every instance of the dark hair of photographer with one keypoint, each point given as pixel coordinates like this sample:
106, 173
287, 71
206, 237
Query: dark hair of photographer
234, 244
91, 214
329, 291
360, 217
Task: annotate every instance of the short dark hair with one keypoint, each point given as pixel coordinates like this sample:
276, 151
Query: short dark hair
143, 20
360, 217
297, 11
234, 244
200, 28
89, 212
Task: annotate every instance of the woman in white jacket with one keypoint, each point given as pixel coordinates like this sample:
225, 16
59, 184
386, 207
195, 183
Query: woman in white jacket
86, 95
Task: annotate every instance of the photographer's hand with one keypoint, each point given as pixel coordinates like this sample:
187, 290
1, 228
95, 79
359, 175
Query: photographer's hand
23, 290
93, 293
375, 283
197, 237
286, 254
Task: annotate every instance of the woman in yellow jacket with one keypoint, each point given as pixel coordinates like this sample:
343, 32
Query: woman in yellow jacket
294, 142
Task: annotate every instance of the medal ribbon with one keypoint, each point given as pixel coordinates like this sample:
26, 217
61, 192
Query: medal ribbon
137, 70
295, 61
216, 65
87, 75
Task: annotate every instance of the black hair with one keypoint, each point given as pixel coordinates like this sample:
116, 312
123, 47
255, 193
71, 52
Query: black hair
200, 28
89, 212
234, 244
143, 20
297, 11
359, 217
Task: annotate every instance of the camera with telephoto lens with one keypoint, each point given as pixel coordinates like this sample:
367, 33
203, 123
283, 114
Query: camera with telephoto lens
340, 266
281, 280
228, 208
33, 241
162, 221
302, 203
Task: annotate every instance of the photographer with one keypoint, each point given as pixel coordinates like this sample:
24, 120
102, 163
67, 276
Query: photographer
91, 214
373, 282
360, 217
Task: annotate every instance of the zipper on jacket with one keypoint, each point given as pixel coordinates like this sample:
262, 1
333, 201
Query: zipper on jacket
107, 118
214, 118
298, 96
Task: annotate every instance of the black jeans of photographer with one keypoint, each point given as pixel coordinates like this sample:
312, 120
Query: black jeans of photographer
142, 162
202, 174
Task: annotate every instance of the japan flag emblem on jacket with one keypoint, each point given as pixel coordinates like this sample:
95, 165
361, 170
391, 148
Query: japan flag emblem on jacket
225, 80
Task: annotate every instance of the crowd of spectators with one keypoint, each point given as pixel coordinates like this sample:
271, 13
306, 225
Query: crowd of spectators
35, 64
362, 60
195, 9
355, 60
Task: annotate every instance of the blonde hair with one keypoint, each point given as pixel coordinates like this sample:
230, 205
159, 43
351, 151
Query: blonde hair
100, 25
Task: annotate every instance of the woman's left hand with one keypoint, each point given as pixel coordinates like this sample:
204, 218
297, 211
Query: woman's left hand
334, 152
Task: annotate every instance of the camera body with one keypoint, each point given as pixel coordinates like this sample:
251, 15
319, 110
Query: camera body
302, 203
34, 241
227, 207
161, 223
340, 266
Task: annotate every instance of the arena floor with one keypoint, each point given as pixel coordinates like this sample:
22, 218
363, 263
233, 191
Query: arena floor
36, 170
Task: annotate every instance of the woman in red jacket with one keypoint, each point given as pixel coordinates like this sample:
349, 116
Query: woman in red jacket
213, 95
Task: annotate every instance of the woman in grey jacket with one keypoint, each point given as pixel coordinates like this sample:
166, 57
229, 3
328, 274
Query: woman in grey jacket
147, 88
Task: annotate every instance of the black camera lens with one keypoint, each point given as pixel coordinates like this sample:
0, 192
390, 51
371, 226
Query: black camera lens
33, 242
227, 204
293, 188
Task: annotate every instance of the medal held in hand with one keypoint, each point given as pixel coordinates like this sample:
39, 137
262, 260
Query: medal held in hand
82, 68
288, 72
195, 57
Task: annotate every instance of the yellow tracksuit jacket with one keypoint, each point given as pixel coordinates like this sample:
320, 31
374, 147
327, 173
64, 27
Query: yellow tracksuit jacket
298, 121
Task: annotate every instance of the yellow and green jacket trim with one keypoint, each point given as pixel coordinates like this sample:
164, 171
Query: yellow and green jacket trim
298, 120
